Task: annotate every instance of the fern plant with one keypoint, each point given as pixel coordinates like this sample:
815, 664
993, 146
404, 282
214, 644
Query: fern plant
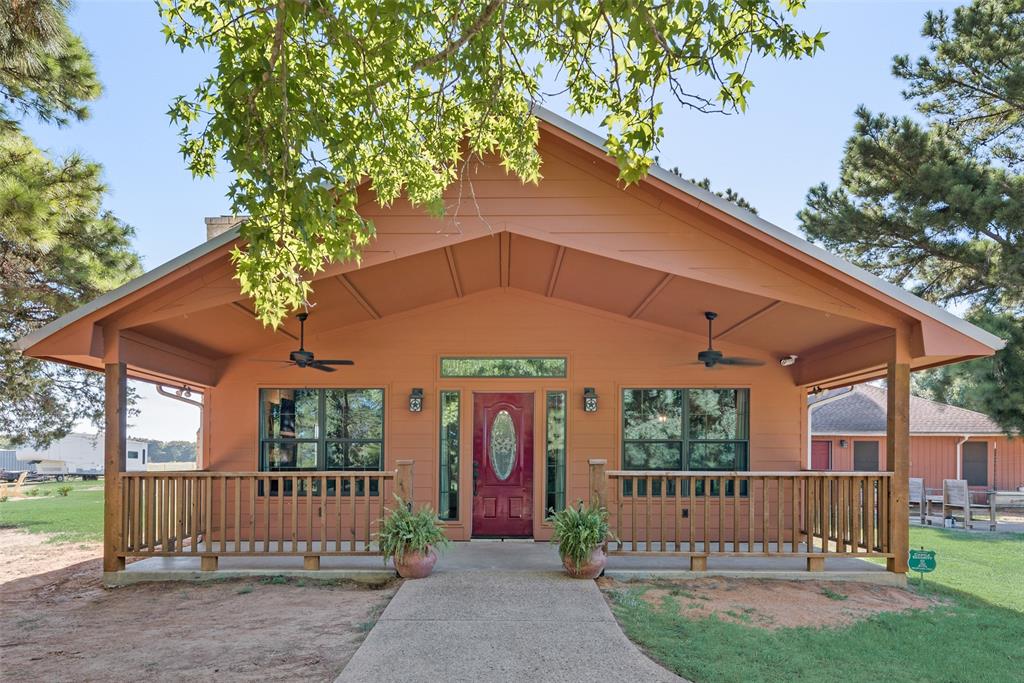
404, 531
578, 530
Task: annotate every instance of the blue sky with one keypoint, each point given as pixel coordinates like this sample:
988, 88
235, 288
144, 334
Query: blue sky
791, 137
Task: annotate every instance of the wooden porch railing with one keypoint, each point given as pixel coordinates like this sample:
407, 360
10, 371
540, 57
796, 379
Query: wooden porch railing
813, 515
214, 514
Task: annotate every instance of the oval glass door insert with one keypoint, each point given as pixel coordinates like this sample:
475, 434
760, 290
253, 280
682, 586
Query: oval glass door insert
503, 445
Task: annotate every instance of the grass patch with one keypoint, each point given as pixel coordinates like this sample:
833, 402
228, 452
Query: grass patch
977, 633
984, 565
74, 517
833, 595
276, 580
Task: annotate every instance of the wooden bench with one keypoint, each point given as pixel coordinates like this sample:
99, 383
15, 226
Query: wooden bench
918, 496
17, 486
1005, 499
956, 495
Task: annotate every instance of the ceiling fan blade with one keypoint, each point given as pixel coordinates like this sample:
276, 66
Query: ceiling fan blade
319, 365
735, 360
336, 362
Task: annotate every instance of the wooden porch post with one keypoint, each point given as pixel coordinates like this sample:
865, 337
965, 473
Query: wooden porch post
598, 483
403, 481
897, 444
116, 409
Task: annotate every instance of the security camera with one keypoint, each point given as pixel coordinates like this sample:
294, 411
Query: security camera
788, 360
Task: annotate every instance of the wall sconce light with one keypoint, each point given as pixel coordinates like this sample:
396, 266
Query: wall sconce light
416, 400
589, 400
842, 443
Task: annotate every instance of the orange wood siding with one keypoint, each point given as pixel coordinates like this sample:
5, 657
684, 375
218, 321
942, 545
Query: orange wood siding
401, 352
933, 458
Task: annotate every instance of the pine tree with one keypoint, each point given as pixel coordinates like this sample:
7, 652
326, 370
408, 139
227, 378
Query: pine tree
58, 247
939, 208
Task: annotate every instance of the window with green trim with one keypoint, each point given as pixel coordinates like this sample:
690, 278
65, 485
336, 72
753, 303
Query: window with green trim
311, 430
555, 449
508, 367
448, 500
685, 429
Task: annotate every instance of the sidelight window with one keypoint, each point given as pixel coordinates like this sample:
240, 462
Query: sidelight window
555, 437
448, 505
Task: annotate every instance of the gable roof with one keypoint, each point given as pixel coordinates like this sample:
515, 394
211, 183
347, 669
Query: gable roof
862, 411
703, 197
788, 238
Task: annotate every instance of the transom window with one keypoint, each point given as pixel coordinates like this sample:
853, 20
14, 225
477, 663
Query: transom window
509, 367
321, 429
685, 429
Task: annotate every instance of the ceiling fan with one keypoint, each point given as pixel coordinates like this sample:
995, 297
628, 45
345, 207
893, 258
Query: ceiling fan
305, 359
711, 357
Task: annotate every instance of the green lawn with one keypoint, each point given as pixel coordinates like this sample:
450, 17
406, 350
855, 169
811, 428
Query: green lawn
987, 566
977, 636
72, 518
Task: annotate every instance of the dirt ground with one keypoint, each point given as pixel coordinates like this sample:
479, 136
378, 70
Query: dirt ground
776, 604
57, 622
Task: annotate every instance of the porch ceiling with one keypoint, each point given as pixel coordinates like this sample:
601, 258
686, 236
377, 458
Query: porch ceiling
519, 262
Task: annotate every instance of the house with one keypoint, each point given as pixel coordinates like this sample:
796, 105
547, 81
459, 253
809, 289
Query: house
946, 442
79, 453
535, 347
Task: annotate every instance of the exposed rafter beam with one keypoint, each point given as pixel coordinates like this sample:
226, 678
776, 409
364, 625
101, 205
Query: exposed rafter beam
154, 355
360, 299
749, 319
453, 270
555, 270
505, 247
651, 295
842, 360
251, 315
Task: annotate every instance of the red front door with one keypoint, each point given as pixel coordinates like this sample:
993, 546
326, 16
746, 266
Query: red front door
503, 465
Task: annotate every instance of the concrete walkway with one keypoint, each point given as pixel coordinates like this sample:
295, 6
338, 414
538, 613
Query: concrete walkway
498, 625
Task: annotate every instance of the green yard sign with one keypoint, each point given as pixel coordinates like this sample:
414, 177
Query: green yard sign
922, 560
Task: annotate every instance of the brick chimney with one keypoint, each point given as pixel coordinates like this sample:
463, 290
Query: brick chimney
216, 225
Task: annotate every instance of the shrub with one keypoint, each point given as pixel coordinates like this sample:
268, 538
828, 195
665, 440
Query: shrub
404, 531
64, 490
578, 530
32, 492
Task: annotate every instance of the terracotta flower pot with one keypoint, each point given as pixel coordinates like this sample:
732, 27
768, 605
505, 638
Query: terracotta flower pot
415, 565
591, 569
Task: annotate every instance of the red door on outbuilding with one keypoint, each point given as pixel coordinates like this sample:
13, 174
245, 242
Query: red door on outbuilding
821, 455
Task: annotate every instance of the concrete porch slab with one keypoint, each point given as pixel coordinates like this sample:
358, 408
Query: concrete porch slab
510, 556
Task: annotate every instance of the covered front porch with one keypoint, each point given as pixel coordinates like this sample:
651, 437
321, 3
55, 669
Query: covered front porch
562, 321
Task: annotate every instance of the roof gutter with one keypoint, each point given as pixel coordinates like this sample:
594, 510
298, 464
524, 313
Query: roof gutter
833, 432
810, 417
960, 456
181, 394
